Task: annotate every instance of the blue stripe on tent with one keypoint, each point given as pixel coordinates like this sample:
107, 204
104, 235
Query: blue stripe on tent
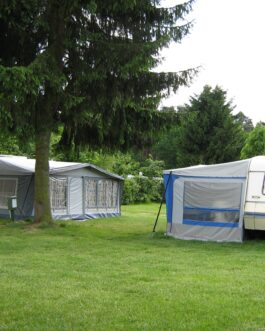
212, 224
236, 210
208, 177
255, 214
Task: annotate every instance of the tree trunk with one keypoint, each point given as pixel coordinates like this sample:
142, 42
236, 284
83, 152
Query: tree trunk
42, 213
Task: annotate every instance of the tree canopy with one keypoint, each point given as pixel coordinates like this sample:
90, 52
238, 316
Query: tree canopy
208, 132
245, 121
86, 66
255, 142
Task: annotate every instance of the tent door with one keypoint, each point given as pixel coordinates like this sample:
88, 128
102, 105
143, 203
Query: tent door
76, 196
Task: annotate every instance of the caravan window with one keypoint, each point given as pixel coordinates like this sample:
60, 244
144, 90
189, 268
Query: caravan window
8, 187
58, 193
263, 187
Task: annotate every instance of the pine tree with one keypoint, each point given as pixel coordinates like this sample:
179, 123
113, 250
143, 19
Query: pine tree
209, 133
86, 66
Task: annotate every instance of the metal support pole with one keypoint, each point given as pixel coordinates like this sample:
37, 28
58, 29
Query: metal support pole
161, 203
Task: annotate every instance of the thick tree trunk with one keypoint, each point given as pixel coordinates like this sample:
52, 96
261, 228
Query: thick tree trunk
42, 213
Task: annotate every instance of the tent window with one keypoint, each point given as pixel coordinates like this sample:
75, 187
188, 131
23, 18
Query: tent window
102, 201
8, 187
211, 201
101, 193
91, 193
58, 193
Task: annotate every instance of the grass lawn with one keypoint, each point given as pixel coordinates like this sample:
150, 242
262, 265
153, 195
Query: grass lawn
113, 274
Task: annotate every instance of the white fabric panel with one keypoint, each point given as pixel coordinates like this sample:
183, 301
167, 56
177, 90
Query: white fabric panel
75, 195
177, 211
189, 232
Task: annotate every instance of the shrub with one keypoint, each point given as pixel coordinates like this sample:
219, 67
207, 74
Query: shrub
142, 189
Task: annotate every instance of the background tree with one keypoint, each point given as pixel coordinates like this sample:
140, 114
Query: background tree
255, 142
208, 132
245, 121
166, 147
84, 66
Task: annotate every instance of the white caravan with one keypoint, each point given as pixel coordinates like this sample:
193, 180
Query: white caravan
216, 202
254, 210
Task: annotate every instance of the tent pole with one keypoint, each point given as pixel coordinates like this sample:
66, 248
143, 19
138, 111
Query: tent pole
161, 203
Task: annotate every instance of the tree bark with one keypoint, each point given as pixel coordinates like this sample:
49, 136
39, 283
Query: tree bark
42, 213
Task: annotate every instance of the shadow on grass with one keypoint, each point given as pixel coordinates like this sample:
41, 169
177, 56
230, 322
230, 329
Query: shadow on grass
254, 235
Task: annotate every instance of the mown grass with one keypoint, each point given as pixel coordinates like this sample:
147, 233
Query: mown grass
113, 274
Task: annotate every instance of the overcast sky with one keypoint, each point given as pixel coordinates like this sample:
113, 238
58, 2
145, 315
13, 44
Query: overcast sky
227, 40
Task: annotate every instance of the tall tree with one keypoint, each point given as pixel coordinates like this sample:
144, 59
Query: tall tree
245, 121
86, 65
208, 132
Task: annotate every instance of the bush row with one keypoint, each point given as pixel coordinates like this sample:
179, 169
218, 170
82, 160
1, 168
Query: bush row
142, 189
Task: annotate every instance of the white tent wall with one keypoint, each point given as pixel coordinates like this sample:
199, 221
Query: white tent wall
89, 194
207, 202
80, 203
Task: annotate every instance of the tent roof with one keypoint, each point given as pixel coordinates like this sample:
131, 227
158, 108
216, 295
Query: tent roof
230, 169
20, 165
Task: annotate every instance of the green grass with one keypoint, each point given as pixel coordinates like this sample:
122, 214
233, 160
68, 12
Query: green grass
113, 274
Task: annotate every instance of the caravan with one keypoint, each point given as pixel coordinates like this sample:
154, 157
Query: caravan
216, 202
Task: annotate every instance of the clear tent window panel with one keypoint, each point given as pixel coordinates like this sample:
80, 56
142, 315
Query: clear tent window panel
102, 201
109, 193
8, 187
90, 193
211, 201
115, 192
58, 193
101, 193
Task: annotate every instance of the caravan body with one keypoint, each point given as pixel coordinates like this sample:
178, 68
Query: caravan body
216, 202
254, 211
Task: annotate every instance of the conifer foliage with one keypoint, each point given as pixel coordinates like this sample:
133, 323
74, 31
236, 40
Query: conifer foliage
207, 132
86, 66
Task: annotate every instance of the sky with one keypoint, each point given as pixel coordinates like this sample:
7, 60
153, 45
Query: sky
227, 41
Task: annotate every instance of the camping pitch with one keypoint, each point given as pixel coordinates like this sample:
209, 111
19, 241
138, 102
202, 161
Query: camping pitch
77, 190
216, 202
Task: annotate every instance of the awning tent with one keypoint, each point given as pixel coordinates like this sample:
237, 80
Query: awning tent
206, 202
77, 190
